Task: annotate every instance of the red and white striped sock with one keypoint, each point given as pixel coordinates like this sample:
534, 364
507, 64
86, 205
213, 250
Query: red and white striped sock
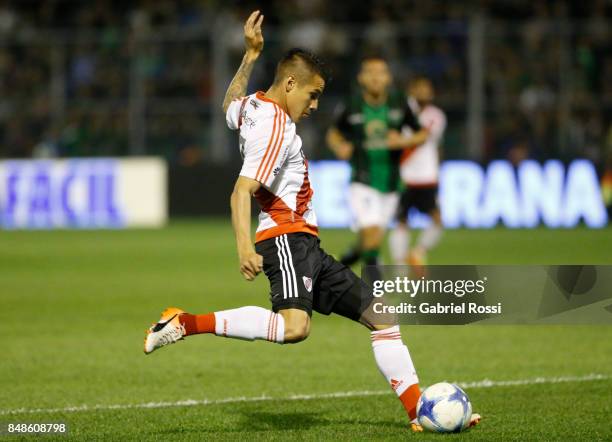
248, 323
395, 364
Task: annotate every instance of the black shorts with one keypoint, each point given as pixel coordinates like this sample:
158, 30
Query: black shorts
302, 275
424, 199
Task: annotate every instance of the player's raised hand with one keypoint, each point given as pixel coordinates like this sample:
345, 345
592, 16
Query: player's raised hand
253, 38
344, 151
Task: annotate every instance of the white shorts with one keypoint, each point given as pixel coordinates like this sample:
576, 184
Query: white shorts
371, 207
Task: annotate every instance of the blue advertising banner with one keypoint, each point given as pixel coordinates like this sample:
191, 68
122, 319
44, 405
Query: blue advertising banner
471, 196
83, 193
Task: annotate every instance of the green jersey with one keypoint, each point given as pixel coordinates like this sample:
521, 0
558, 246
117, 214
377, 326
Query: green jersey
366, 126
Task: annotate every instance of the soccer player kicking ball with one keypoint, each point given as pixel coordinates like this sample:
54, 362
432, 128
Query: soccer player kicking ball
302, 276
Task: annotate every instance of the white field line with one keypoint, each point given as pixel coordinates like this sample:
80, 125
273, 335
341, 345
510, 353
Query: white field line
485, 383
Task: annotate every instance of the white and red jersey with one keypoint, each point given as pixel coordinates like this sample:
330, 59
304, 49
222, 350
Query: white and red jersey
419, 167
272, 154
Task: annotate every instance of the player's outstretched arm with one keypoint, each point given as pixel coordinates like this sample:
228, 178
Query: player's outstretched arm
339, 145
250, 262
253, 43
395, 140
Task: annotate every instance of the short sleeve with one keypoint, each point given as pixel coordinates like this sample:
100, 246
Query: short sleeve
410, 119
232, 116
266, 149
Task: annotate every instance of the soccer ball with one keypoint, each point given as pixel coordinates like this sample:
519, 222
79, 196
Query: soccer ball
444, 408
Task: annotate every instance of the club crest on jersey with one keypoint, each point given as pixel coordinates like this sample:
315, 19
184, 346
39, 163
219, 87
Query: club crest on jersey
307, 283
276, 171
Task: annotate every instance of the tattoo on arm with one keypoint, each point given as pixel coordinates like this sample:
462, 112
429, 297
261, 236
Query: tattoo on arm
238, 86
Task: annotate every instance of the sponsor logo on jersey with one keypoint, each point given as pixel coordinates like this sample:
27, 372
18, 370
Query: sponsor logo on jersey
255, 104
247, 120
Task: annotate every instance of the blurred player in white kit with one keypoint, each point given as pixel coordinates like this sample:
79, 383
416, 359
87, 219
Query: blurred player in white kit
419, 171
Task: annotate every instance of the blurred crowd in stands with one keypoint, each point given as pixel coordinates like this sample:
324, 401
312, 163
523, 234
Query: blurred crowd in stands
88, 78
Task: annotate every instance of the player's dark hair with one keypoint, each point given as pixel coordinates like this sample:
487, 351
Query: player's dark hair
297, 58
418, 78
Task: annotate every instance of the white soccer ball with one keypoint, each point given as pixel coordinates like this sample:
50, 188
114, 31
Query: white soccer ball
444, 408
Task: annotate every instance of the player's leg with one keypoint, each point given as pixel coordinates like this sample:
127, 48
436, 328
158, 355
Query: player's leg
430, 237
342, 292
297, 325
399, 242
386, 205
399, 238
290, 268
247, 323
432, 234
365, 208
382, 208
370, 239
392, 357
285, 263
390, 353
288, 322
289, 325
358, 205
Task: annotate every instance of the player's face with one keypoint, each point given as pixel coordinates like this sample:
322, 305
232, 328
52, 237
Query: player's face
422, 91
374, 76
303, 99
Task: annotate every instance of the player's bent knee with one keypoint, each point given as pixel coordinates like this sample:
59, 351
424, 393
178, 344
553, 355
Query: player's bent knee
297, 325
296, 334
297, 331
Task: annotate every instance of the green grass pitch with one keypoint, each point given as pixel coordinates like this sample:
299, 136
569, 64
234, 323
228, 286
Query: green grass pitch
75, 306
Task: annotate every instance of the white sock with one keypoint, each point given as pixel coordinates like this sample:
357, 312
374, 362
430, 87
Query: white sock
250, 323
395, 364
399, 242
393, 358
430, 236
